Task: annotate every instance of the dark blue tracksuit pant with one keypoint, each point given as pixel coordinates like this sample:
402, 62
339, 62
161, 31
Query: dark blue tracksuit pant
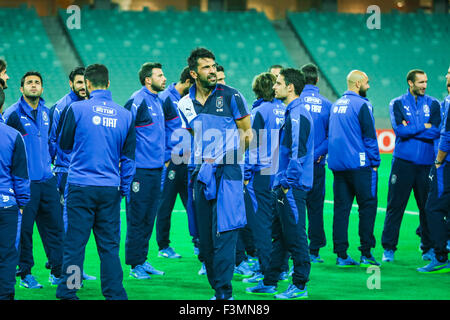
175, 182
314, 205
406, 176
259, 201
97, 209
289, 236
9, 255
361, 183
142, 206
44, 208
217, 250
438, 209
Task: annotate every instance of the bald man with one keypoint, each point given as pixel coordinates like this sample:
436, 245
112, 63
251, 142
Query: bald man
353, 156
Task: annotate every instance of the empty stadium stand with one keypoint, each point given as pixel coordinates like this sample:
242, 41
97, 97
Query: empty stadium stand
340, 42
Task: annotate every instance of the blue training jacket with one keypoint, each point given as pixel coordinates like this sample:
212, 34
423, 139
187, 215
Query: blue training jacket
414, 142
296, 155
269, 117
35, 134
444, 142
319, 108
444, 106
352, 136
102, 138
14, 180
60, 159
155, 121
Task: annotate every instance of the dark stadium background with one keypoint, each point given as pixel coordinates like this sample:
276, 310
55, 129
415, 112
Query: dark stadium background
247, 37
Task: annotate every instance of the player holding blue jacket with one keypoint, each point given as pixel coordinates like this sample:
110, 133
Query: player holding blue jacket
154, 120
354, 157
319, 108
214, 113
293, 180
415, 118
100, 136
14, 195
30, 117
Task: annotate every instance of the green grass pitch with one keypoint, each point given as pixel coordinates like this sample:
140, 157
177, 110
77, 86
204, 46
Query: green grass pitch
398, 281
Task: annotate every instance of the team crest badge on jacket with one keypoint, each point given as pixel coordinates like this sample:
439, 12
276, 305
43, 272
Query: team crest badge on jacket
135, 186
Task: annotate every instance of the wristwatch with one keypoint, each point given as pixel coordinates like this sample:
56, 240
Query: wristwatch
438, 162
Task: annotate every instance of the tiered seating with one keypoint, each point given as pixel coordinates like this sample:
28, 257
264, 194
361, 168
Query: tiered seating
25, 46
245, 43
342, 42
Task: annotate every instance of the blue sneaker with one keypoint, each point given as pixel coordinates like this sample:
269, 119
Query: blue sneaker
448, 245
54, 281
243, 270
168, 253
139, 273
293, 292
429, 255
368, 261
215, 298
346, 263
284, 276
436, 266
149, 269
196, 251
88, 277
262, 290
30, 282
202, 271
255, 279
388, 256
315, 259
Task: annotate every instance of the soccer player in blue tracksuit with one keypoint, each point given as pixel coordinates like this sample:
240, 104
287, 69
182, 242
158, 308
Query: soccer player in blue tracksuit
292, 182
319, 108
438, 203
154, 121
3, 75
354, 158
100, 136
415, 119
30, 117
267, 118
14, 195
175, 177
60, 159
214, 113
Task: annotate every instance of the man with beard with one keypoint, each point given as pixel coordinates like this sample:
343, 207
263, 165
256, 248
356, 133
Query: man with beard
353, 156
60, 159
175, 175
217, 116
30, 117
154, 121
415, 118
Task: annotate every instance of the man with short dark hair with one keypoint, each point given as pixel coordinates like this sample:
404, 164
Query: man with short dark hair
175, 175
293, 180
15, 194
221, 74
30, 117
354, 158
415, 118
100, 136
3, 75
218, 110
319, 108
155, 121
